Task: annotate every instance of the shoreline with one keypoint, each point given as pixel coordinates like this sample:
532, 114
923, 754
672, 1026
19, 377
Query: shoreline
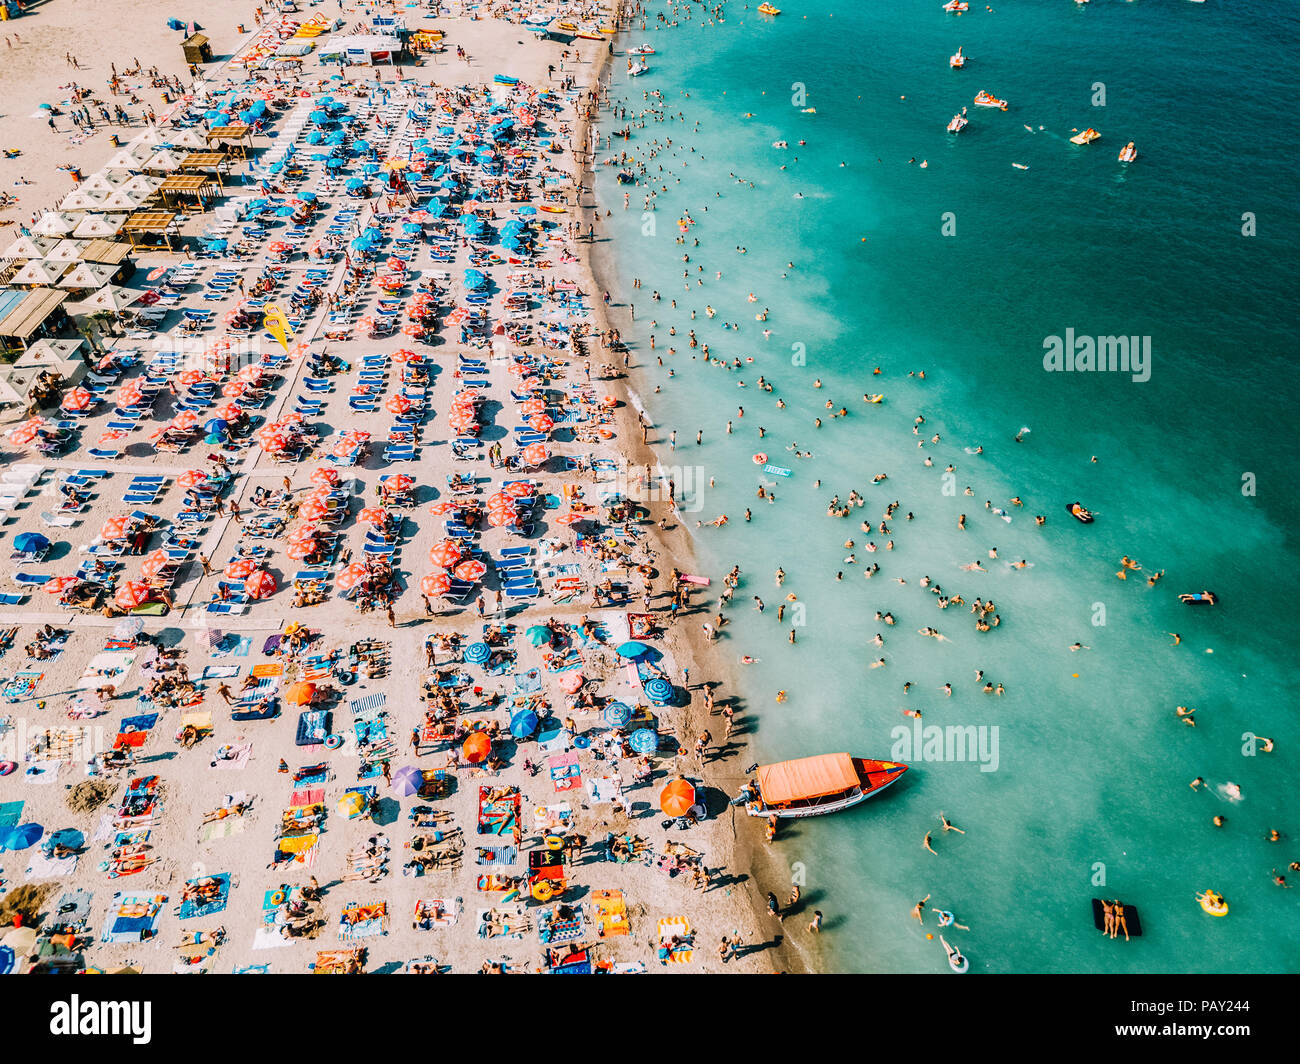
677, 543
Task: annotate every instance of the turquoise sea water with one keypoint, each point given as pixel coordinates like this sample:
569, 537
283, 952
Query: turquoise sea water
1092, 774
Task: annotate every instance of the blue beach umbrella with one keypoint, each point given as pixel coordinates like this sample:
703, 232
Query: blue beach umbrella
30, 542
7, 960
69, 837
412, 228
658, 690
523, 724
320, 117
21, 836
216, 426
643, 741
477, 653
527, 211
538, 634
631, 649
617, 714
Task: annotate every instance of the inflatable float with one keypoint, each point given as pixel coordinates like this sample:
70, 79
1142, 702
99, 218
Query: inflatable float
1086, 137
956, 960
505, 79
1131, 918
1213, 903
1079, 512
1128, 153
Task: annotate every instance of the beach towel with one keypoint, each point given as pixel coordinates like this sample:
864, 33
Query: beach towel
11, 813
42, 867
529, 682
21, 686
133, 916
496, 855
552, 816
311, 774
605, 789
268, 936
610, 911
434, 912
552, 929
239, 757
192, 907
42, 772
363, 921
73, 909
565, 773
267, 668
221, 829
238, 649
143, 722
110, 667
254, 969
307, 796
678, 926
220, 672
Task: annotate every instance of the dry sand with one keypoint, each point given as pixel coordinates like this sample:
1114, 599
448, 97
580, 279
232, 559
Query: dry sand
192, 787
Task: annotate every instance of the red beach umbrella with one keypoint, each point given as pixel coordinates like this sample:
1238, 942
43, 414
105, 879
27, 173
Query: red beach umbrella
518, 489
260, 585
399, 482
241, 568
445, 554
397, 404
435, 584
303, 548
77, 399
470, 570
194, 476
677, 798
477, 747
324, 477
535, 454
373, 515
541, 423
59, 584
114, 527
350, 576
154, 563
131, 594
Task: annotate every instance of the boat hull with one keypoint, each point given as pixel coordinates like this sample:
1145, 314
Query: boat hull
887, 772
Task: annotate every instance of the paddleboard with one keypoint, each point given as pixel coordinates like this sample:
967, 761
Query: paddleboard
776, 471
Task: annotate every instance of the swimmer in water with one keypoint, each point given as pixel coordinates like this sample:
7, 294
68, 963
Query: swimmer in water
919, 908
949, 826
926, 843
1177, 638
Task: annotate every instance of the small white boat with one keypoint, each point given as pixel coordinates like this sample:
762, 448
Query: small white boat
957, 60
641, 49
957, 124
1128, 153
636, 69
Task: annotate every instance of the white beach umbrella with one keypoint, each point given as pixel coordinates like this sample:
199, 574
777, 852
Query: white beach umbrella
54, 223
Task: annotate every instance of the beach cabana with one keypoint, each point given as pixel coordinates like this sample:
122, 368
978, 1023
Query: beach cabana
27, 320
66, 251
101, 181
29, 247
39, 272
151, 229
81, 199
163, 161
235, 139
101, 226
197, 49
55, 223
200, 187
217, 162
87, 275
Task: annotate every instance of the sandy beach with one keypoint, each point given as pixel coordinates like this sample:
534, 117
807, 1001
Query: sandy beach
212, 819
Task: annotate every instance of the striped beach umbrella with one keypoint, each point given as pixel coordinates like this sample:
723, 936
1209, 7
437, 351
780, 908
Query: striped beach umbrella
240, 568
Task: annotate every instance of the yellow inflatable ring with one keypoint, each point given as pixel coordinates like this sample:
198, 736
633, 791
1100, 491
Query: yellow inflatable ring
1212, 902
542, 891
277, 897
554, 842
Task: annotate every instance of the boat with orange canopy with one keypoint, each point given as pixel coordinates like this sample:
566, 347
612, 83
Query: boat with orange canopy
811, 786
